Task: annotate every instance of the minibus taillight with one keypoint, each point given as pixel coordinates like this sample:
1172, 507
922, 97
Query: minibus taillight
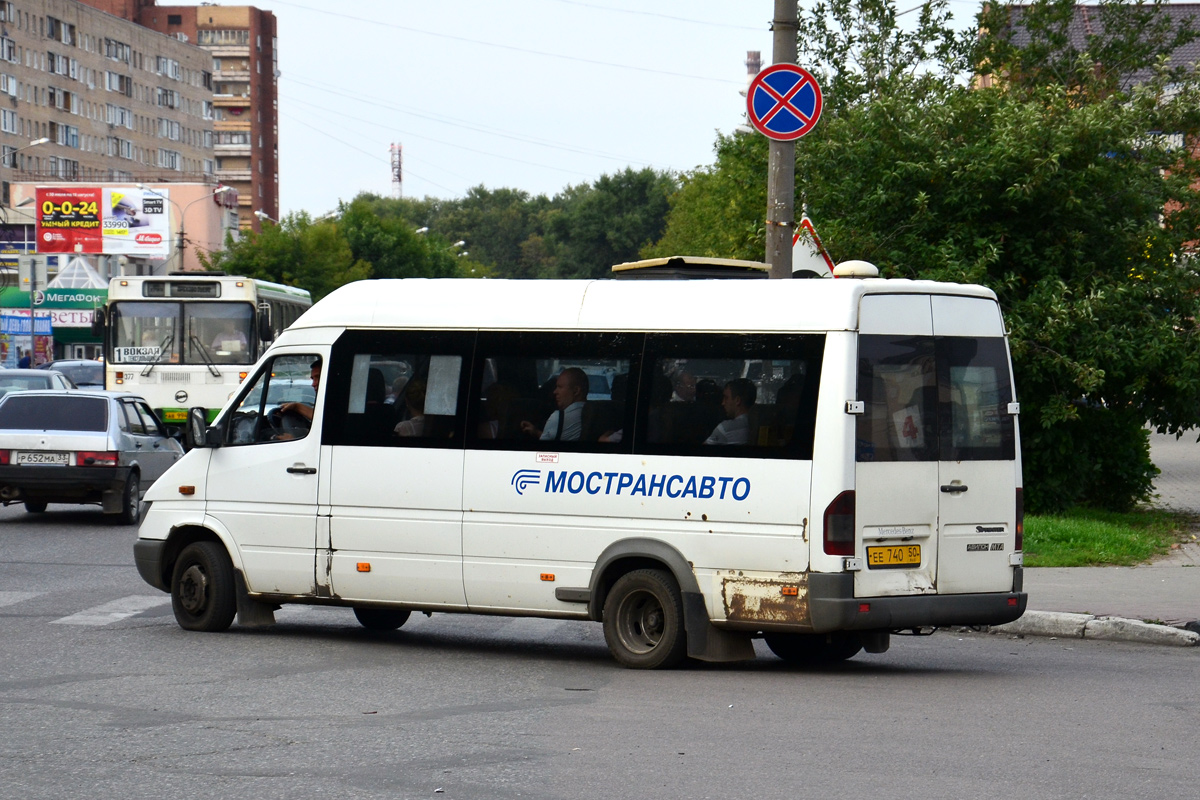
88, 458
1019, 546
839, 525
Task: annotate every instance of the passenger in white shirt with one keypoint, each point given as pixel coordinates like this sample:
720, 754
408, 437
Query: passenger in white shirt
570, 394
739, 395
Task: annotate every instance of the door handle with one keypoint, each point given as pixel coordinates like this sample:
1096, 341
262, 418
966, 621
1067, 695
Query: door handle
953, 488
302, 470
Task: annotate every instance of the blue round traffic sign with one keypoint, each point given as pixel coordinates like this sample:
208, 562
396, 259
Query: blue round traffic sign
784, 102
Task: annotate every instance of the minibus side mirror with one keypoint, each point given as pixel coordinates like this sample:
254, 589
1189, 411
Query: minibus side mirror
198, 433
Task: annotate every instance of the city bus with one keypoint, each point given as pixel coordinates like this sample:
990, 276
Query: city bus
188, 340
692, 464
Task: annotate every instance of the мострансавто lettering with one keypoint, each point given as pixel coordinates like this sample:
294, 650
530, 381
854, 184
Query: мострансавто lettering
617, 483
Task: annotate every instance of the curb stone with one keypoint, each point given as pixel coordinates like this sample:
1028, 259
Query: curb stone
1088, 626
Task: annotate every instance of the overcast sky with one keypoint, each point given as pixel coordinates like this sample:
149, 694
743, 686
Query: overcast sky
527, 94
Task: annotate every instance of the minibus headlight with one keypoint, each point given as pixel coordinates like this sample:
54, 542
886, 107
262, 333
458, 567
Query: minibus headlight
839, 525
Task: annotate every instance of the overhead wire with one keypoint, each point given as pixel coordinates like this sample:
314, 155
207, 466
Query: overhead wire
511, 48
456, 123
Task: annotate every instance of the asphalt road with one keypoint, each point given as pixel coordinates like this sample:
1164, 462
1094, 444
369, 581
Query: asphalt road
103, 696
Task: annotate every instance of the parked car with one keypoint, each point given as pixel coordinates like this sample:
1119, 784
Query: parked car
85, 374
24, 380
81, 446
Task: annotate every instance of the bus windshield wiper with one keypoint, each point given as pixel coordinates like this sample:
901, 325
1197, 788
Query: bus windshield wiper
208, 362
162, 349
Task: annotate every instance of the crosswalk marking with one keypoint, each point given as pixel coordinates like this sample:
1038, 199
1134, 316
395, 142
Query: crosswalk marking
11, 598
114, 611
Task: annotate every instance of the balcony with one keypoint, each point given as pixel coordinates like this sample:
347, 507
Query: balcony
232, 149
229, 175
232, 75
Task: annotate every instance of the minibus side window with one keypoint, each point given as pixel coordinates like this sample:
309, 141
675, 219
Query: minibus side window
397, 389
263, 414
724, 395
554, 391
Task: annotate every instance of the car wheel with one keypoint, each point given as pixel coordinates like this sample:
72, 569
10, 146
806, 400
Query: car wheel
202, 588
381, 619
814, 648
131, 501
35, 507
643, 620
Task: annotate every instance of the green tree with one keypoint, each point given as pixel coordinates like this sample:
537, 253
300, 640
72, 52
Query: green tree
296, 252
608, 222
391, 245
1056, 194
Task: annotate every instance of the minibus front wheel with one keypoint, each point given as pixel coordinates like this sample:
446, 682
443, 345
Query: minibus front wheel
643, 620
202, 594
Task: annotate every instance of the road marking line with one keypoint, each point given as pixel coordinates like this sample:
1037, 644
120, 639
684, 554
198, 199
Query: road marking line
115, 611
11, 598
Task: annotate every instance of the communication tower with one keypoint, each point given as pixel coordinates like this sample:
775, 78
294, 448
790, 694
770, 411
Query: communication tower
397, 161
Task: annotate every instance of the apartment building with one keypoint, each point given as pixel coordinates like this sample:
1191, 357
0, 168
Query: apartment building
118, 102
244, 46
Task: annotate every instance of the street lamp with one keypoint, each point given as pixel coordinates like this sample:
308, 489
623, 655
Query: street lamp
181, 239
422, 230
263, 217
34, 143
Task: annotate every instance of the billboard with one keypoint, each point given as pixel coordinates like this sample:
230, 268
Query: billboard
111, 220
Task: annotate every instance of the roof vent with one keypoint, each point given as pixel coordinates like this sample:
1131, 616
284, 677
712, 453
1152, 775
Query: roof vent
856, 269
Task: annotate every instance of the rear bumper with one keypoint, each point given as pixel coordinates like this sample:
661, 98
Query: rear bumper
60, 484
833, 607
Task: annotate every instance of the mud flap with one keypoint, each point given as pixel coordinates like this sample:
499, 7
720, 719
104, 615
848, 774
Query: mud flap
251, 613
112, 501
708, 643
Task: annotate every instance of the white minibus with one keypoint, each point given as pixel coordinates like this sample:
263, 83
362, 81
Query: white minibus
694, 464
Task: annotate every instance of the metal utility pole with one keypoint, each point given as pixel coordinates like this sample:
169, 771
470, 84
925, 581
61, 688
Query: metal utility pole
781, 166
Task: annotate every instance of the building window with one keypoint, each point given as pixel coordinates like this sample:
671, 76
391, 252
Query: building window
8, 121
168, 98
8, 50
117, 51
174, 19
169, 159
115, 82
168, 129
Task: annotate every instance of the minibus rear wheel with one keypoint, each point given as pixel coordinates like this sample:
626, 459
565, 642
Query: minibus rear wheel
382, 619
202, 593
814, 648
643, 620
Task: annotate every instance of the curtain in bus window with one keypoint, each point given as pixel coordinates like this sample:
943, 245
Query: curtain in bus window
897, 382
397, 389
731, 395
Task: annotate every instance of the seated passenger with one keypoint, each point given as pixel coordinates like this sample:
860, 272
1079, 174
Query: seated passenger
414, 401
739, 395
570, 394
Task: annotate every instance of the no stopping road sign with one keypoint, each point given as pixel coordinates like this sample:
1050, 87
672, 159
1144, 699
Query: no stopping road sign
784, 102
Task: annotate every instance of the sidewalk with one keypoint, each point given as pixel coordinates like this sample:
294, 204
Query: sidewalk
1164, 591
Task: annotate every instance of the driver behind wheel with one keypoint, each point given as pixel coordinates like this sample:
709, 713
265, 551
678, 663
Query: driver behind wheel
302, 410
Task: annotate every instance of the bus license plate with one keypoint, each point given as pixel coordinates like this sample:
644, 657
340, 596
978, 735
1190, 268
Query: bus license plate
56, 459
895, 557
